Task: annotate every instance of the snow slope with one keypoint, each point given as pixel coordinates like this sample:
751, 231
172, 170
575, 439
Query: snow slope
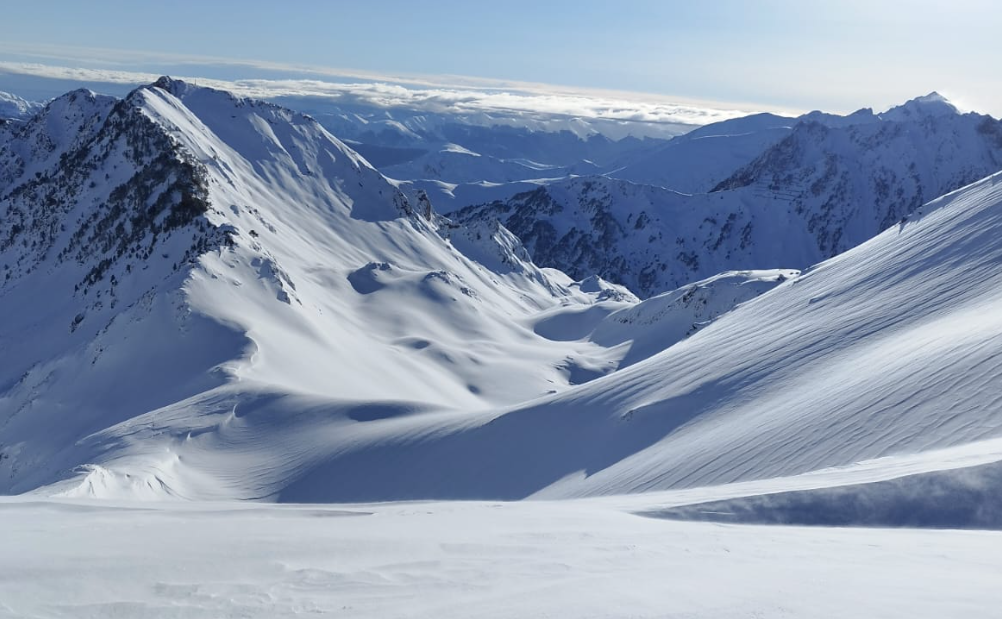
888, 350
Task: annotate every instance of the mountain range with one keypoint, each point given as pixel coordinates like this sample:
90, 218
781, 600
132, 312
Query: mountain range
817, 187
210, 297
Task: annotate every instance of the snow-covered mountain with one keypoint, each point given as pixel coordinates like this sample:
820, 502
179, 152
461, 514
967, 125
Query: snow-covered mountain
183, 247
457, 148
418, 145
698, 161
14, 107
830, 184
853, 181
209, 297
879, 363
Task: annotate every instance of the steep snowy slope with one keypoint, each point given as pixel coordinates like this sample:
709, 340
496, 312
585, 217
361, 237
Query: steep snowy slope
829, 185
182, 246
890, 349
659, 322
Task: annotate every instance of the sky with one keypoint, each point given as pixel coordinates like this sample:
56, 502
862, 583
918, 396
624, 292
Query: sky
751, 54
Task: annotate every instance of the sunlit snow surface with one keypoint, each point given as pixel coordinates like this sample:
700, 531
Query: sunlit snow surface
466, 560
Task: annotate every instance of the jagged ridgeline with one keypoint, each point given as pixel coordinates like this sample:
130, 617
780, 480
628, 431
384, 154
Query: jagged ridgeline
93, 181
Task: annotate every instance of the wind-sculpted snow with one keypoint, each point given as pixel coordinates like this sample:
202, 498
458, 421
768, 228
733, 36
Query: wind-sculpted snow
955, 499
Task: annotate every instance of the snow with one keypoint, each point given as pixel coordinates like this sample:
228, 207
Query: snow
647, 238
449, 197
346, 330
178, 384
334, 292
661, 321
13, 106
73, 559
787, 198
932, 104
697, 161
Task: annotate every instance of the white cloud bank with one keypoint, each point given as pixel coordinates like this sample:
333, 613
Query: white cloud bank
441, 95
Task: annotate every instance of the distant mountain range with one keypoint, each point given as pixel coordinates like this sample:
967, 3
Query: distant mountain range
767, 192
16, 108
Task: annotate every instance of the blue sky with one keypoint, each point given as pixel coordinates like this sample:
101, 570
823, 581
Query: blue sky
797, 55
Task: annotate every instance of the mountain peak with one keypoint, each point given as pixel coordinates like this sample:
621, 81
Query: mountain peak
932, 97
176, 87
932, 104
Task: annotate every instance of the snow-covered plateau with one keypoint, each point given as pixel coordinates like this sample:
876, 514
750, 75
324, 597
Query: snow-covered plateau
244, 373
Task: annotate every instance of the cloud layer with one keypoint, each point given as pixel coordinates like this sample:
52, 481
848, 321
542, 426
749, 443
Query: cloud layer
442, 95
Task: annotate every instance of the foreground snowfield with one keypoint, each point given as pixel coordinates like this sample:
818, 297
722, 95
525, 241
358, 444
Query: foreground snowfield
602, 557
532, 559
458, 559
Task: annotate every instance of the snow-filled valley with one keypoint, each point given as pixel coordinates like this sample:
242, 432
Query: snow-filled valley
576, 390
